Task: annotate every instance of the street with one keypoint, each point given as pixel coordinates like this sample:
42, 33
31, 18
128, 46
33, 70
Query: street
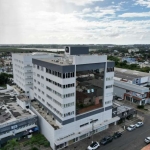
133, 140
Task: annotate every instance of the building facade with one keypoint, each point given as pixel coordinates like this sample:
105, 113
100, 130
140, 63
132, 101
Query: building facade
71, 94
132, 86
16, 122
22, 70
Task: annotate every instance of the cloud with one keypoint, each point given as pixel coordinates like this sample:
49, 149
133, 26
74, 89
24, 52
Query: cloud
86, 10
82, 2
145, 3
131, 15
48, 21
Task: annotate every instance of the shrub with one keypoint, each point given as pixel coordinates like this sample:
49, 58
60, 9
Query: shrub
46, 144
34, 148
41, 142
25, 144
140, 106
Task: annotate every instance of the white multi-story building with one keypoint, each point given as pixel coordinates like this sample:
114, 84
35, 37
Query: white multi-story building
72, 94
22, 69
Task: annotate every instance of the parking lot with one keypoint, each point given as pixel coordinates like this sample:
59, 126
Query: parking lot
133, 140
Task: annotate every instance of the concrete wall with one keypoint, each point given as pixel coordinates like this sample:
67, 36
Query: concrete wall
46, 129
31, 93
9, 88
119, 92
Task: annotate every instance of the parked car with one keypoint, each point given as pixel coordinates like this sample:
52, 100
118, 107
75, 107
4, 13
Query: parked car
94, 146
131, 128
139, 124
13, 94
119, 99
147, 140
106, 140
117, 135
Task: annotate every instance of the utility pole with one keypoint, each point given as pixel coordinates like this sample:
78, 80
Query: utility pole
92, 128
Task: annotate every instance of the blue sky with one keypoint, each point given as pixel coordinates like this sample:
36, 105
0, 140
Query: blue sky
74, 22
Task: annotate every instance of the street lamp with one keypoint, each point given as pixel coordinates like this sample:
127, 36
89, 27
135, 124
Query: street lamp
92, 128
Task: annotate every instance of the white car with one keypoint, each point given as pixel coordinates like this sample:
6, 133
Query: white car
119, 99
93, 146
13, 94
131, 128
147, 140
139, 124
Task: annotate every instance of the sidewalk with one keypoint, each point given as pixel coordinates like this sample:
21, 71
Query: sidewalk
82, 145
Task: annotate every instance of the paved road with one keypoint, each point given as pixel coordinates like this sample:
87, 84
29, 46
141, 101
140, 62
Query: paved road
129, 141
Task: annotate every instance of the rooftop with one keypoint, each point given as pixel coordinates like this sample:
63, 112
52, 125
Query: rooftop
62, 61
129, 74
12, 112
120, 108
33, 54
44, 114
131, 87
23, 98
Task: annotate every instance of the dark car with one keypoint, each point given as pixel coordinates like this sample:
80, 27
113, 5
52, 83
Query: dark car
106, 140
117, 135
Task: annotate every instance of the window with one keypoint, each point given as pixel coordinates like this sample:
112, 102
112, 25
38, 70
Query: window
109, 78
110, 69
93, 121
109, 86
84, 124
108, 102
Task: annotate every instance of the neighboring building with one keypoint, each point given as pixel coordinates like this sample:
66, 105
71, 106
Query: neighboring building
133, 50
131, 85
123, 111
129, 60
22, 69
72, 93
16, 122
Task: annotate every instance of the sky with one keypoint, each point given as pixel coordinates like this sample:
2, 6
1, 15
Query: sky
74, 22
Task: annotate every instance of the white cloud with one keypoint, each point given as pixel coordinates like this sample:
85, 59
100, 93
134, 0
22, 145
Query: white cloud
143, 3
130, 15
82, 2
39, 21
86, 10
110, 8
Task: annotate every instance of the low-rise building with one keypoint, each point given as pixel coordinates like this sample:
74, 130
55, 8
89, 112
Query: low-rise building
16, 122
131, 85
